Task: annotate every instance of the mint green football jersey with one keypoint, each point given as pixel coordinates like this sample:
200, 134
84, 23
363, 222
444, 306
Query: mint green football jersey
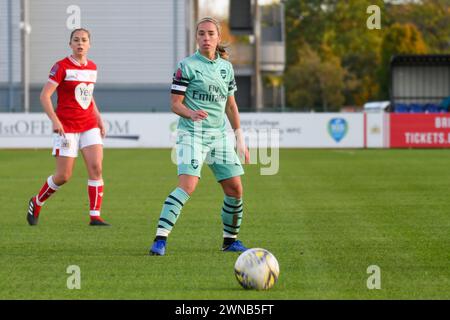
206, 85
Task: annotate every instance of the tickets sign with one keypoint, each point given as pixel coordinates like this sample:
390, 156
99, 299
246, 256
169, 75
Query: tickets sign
419, 130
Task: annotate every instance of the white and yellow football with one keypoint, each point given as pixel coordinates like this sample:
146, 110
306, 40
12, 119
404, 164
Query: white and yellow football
256, 268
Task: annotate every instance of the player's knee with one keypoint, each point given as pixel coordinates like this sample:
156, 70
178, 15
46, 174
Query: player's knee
234, 191
188, 183
62, 178
188, 188
96, 170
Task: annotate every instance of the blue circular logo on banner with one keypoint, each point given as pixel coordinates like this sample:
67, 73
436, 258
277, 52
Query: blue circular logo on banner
337, 128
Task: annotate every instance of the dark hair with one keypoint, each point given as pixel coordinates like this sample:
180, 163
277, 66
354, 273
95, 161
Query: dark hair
79, 29
220, 49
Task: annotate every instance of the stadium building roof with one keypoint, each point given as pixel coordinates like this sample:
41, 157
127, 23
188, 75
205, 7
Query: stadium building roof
422, 59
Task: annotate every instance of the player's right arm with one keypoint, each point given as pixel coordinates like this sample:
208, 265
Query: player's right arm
180, 109
47, 105
180, 83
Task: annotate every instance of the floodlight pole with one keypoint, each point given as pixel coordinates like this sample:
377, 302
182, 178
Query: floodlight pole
195, 18
10, 59
26, 30
257, 54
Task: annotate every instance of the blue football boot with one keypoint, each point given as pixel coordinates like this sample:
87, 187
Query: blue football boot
236, 246
158, 248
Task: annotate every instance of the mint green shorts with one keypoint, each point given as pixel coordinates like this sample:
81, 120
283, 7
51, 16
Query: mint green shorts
217, 151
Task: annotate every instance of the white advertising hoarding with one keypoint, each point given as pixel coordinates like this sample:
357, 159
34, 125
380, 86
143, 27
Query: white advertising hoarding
376, 124
157, 130
310, 130
124, 130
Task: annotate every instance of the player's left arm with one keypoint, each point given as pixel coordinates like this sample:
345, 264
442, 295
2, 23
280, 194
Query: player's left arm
100, 123
232, 111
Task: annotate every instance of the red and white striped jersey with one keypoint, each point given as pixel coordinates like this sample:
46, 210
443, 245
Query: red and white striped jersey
75, 108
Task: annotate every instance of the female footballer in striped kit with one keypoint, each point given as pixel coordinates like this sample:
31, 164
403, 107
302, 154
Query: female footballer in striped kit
203, 96
77, 124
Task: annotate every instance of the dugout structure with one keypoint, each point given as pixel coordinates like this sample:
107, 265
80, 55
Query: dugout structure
420, 83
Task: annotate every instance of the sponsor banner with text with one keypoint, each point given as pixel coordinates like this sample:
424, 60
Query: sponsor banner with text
158, 130
419, 130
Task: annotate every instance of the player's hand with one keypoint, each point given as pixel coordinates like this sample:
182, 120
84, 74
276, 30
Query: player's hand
58, 127
198, 115
241, 148
102, 128
243, 153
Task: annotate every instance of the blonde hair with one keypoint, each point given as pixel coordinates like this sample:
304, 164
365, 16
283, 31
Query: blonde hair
220, 49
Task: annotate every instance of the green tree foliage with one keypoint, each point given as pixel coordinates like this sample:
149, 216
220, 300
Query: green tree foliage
315, 84
432, 19
306, 23
337, 30
357, 46
398, 39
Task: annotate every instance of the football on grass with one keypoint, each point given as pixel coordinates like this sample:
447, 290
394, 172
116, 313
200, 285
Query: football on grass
256, 269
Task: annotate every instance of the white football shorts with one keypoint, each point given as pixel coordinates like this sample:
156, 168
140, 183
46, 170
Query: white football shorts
69, 145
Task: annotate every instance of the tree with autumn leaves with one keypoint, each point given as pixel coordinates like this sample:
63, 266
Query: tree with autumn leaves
334, 60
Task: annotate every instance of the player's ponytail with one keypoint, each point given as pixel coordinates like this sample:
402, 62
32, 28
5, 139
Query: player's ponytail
221, 48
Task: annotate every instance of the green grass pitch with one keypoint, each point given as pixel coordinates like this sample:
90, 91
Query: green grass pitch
327, 216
